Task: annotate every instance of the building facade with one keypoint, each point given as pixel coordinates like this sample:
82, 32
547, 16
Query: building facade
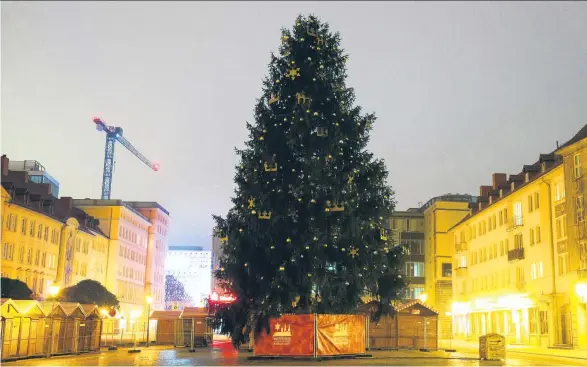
128, 231
520, 258
192, 266
408, 230
46, 240
156, 250
440, 214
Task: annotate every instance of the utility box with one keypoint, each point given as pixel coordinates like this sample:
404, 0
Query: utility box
492, 347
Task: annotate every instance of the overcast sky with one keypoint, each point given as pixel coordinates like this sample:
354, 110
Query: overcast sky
461, 90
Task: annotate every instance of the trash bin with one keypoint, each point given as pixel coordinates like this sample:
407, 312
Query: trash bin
492, 347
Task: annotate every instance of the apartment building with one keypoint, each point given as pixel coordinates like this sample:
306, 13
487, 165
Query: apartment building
520, 256
45, 239
408, 230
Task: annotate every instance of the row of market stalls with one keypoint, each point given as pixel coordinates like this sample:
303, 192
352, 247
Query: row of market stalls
32, 328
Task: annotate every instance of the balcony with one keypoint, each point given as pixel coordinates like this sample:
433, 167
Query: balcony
516, 254
461, 247
514, 223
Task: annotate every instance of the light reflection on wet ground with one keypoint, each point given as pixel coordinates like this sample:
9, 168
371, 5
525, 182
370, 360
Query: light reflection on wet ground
222, 354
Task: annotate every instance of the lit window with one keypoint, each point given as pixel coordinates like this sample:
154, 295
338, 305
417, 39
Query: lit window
577, 166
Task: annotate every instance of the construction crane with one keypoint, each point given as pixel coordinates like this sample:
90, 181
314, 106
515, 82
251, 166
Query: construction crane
113, 134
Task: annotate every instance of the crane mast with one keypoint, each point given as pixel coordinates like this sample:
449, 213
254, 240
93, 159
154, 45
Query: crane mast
114, 134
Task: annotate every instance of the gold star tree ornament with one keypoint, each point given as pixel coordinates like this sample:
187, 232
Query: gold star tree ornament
354, 252
293, 73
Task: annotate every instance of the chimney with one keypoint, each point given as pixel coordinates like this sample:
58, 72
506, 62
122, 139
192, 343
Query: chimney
484, 190
5, 162
499, 178
67, 201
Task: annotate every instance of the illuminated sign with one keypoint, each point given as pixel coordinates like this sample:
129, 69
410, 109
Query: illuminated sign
214, 297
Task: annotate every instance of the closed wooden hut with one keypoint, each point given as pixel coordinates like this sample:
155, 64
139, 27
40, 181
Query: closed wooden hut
168, 325
413, 324
197, 323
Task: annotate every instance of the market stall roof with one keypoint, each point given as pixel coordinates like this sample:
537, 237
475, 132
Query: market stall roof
29, 308
90, 310
165, 315
415, 304
195, 312
9, 308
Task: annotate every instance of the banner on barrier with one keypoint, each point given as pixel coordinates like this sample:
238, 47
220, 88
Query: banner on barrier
290, 335
341, 334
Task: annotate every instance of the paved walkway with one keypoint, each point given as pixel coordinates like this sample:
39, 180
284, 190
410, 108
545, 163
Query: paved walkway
470, 346
223, 354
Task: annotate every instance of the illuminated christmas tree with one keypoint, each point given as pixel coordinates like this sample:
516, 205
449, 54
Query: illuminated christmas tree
306, 232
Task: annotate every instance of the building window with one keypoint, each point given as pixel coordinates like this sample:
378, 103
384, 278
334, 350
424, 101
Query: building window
561, 265
7, 251
533, 320
518, 241
29, 256
579, 209
46, 235
44, 259
462, 261
39, 231
543, 322
407, 225
559, 192
500, 218
537, 231
37, 257
530, 204
531, 236
32, 228
415, 269
23, 226
495, 250
21, 254
536, 200
518, 213
447, 270
501, 248
577, 165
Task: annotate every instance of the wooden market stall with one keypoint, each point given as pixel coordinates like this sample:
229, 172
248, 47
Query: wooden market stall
197, 323
31, 337
413, 324
90, 330
168, 324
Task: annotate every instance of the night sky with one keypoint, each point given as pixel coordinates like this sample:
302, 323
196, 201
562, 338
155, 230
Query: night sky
461, 90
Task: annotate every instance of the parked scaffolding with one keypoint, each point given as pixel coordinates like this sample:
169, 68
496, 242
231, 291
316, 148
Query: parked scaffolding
31, 328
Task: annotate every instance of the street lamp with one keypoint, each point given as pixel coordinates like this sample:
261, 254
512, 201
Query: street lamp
53, 291
149, 301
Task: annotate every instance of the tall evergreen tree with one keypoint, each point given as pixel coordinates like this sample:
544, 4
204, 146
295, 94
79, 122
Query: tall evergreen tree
306, 232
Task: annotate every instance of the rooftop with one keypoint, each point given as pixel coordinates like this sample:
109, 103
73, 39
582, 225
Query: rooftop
185, 248
147, 205
111, 202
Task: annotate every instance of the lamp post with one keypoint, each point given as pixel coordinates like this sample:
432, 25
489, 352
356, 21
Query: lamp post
149, 301
53, 291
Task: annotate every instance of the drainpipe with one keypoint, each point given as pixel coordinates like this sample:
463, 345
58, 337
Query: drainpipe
552, 252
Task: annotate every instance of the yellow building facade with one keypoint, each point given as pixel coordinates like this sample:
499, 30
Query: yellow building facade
128, 231
519, 259
40, 247
440, 214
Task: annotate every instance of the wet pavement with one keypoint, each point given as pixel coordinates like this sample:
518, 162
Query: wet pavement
222, 354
